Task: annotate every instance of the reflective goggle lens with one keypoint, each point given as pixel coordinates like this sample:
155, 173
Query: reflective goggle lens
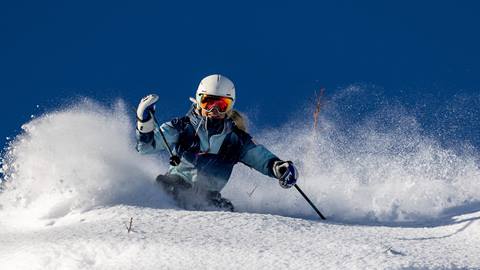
222, 104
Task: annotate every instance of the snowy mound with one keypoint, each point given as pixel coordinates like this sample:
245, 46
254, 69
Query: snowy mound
172, 239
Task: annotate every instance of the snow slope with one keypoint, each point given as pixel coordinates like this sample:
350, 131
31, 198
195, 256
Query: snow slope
174, 239
395, 199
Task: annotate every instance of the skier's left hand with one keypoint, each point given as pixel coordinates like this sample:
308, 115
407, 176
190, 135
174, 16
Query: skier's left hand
286, 173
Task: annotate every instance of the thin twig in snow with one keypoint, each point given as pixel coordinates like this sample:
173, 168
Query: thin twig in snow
129, 227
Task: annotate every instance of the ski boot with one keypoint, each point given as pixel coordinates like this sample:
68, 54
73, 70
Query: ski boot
173, 184
216, 200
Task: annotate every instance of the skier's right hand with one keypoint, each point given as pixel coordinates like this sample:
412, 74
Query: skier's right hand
286, 173
145, 112
146, 107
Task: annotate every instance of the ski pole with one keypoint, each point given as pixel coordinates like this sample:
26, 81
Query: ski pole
174, 159
309, 202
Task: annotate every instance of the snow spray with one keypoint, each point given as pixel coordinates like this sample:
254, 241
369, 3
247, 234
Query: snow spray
77, 159
383, 168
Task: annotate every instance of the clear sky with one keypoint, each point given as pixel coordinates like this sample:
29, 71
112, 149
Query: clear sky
278, 54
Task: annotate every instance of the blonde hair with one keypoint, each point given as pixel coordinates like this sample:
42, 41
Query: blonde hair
238, 119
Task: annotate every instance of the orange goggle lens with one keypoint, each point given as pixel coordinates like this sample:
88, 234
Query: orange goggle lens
222, 104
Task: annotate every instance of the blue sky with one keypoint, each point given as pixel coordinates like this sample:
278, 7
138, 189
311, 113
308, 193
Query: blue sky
278, 54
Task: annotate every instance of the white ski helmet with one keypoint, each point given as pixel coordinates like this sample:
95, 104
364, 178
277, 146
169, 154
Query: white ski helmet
216, 85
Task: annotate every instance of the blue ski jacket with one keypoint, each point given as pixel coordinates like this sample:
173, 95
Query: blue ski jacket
207, 154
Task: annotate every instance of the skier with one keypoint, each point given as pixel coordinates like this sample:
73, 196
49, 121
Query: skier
208, 142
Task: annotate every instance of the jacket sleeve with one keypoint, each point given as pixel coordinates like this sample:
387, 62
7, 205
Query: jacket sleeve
257, 156
152, 142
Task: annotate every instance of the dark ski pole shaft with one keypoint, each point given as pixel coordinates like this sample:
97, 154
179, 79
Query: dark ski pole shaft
174, 159
309, 202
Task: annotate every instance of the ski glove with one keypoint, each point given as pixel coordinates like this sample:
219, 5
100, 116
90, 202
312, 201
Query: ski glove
145, 112
286, 173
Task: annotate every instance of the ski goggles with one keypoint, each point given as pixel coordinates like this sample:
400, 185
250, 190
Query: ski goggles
222, 104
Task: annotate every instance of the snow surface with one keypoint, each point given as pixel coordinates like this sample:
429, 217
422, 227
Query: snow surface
394, 200
175, 239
